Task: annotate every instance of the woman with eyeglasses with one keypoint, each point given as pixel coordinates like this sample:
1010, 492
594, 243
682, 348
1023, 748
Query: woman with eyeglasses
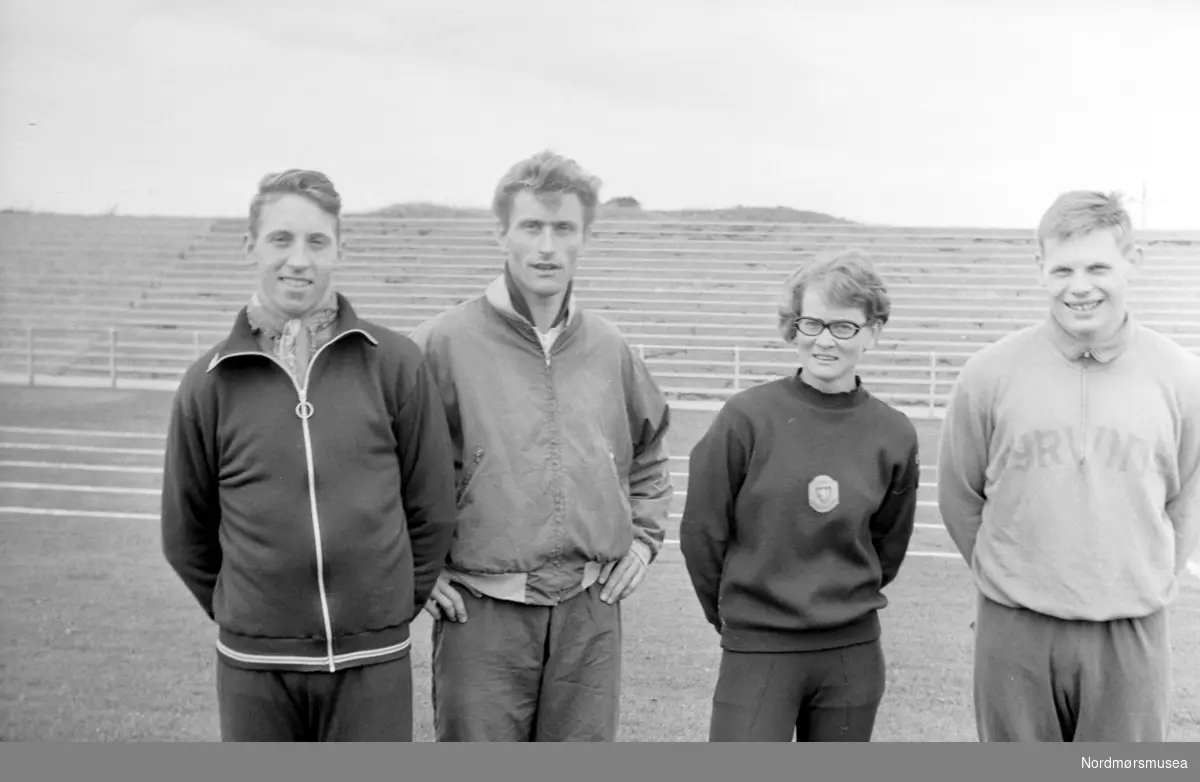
800, 506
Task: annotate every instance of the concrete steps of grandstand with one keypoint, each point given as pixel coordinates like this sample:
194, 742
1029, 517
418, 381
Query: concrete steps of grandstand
698, 227
621, 284
936, 317
132, 246
1184, 261
592, 289
908, 339
588, 290
735, 265
709, 250
645, 280
687, 293
774, 273
635, 275
123, 255
747, 295
190, 314
36, 310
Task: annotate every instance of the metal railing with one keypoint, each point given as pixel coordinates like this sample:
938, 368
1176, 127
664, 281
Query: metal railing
107, 366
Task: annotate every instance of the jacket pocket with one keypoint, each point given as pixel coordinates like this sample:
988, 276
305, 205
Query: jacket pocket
470, 470
621, 482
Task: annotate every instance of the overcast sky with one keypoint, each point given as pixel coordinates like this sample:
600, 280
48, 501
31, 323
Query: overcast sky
971, 113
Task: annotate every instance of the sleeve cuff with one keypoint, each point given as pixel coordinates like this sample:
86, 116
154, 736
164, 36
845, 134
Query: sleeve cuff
642, 551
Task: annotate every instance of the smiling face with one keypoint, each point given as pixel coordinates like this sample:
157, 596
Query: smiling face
295, 251
1087, 277
829, 363
543, 240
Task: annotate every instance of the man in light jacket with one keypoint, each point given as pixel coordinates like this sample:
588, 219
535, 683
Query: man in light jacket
563, 481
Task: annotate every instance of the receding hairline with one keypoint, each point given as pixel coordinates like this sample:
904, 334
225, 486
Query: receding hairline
550, 198
546, 172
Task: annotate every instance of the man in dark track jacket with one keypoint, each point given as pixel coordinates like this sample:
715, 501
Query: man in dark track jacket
308, 492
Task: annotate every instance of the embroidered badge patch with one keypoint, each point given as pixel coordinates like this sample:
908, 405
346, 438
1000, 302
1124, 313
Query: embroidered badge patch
823, 494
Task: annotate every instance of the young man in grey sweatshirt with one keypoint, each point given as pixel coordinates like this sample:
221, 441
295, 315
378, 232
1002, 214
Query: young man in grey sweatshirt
1069, 479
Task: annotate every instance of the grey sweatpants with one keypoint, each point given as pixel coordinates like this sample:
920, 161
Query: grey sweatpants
515, 672
368, 703
1039, 678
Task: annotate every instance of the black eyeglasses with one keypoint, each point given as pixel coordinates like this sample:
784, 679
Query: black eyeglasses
840, 329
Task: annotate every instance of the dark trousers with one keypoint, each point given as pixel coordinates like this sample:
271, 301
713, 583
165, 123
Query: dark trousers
1038, 678
370, 703
515, 672
826, 695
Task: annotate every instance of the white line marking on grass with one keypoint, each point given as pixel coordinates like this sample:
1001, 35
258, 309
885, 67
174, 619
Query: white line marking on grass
1193, 567
82, 448
83, 466
74, 487
97, 514
84, 432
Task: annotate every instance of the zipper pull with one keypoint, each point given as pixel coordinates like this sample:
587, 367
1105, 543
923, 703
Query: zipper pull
304, 409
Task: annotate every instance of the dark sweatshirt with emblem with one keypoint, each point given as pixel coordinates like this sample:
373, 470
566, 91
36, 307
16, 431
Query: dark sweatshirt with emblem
799, 511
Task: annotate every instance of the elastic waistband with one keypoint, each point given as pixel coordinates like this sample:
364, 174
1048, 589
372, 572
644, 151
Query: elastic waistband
745, 639
311, 654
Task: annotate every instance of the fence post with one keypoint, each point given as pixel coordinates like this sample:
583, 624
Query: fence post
112, 356
642, 352
932, 381
30, 360
737, 367
196, 343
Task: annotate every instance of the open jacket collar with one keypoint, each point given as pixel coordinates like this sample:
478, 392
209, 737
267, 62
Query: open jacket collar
242, 340
498, 297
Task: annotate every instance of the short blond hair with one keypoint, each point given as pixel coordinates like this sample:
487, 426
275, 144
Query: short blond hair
313, 185
1080, 212
847, 278
547, 173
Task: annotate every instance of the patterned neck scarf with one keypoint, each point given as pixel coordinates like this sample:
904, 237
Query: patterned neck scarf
292, 340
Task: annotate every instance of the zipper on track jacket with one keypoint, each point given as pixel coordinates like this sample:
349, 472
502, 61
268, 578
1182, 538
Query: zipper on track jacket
304, 411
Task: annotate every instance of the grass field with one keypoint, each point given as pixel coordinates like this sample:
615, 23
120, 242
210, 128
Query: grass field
100, 641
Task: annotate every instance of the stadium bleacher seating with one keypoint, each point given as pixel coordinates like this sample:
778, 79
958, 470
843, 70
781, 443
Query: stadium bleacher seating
137, 299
